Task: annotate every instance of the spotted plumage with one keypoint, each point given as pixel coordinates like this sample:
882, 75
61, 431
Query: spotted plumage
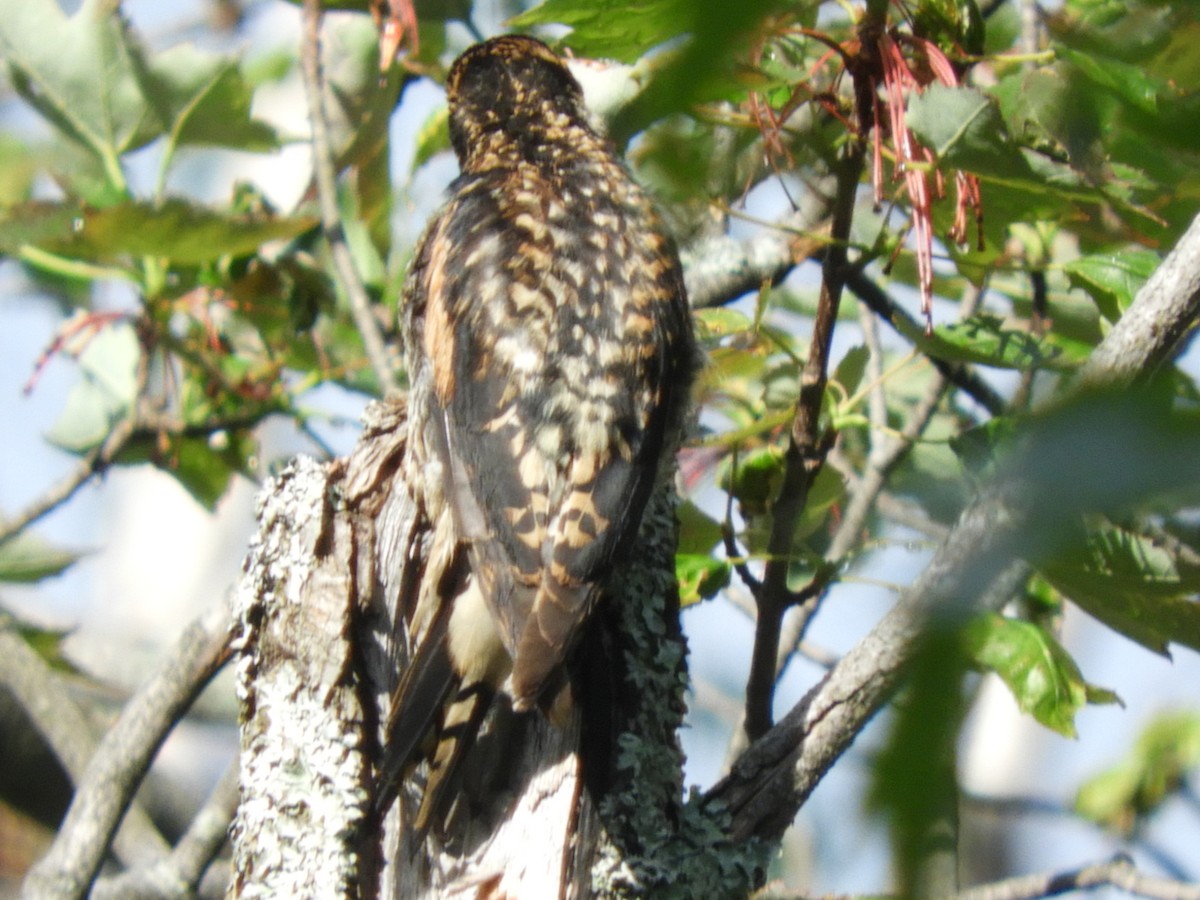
550, 352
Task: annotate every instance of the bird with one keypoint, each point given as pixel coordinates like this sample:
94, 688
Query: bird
550, 355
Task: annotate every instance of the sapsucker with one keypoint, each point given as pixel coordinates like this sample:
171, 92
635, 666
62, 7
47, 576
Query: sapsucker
550, 353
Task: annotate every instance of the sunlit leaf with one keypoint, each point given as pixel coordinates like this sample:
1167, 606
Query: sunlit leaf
105, 392
1042, 676
26, 558
963, 127
700, 576
1113, 280
612, 29
715, 323
178, 230
698, 531
1155, 768
78, 71
984, 339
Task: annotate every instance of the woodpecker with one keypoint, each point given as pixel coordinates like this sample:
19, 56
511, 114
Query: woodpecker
550, 353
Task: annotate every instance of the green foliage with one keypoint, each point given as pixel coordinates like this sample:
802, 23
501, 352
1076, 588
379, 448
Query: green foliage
1043, 678
913, 783
1163, 757
26, 558
1089, 171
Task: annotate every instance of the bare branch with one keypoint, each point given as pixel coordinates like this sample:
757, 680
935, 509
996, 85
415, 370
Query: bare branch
60, 493
66, 728
124, 754
331, 220
974, 569
720, 269
179, 874
1156, 325
1119, 872
805, 453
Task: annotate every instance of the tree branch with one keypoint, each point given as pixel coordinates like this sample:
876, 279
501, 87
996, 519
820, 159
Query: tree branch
120, 762
720, 269
805, 453
331, 220
56, 496
973, 569
179, 874
1119, 872
58, 718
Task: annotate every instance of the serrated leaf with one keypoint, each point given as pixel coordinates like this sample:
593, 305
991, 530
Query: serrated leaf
104, 394
698, 531
1114, 279
1154, 769
177, 230
201, 98
984, 339
714, 323
1042, 676
1132, 585
700, 576
963, 127
27, 558
850, 370
78, 71
612, 29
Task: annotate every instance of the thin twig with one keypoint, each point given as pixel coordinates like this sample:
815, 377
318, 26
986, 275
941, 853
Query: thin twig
120, 762
1119, 872
772, 779
56, 496
54, 712
960, 375
804, 455
331, 220
179, 874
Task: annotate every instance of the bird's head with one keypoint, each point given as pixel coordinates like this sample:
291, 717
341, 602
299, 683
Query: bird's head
511, 95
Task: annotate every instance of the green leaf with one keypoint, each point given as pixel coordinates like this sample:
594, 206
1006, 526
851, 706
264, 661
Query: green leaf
1113, 279
18, 165
913, 781
433, 137
755, 481
1132, 585
612, 29
26, 558
80, 73
717, 322
850, 370
1130, 83
178, 230
1041, 675
201, 98
698, 531
104, 395
700, 576
963, 127
984, 339
1156, 767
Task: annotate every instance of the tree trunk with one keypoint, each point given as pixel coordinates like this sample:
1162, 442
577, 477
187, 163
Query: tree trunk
557, 809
